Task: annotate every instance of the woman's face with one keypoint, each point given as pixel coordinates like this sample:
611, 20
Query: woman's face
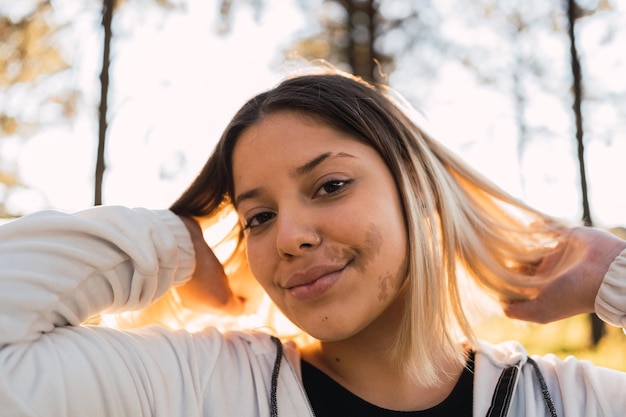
324, 226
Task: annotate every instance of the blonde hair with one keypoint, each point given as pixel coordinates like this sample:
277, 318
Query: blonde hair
458, 222
460, 225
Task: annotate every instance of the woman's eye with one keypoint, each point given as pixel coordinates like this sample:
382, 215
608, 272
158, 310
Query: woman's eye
332, 187
258, 220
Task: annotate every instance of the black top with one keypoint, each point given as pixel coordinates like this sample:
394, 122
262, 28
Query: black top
329, 399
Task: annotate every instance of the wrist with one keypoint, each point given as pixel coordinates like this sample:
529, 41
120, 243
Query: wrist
610, 301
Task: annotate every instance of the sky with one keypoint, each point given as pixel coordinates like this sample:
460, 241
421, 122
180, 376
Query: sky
176, 85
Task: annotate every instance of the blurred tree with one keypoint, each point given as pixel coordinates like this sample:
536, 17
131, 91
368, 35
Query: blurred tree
36, 96
8, 181
29, 53
226, 12
30, 62
109, 8
574, 12
351, 34
107, 18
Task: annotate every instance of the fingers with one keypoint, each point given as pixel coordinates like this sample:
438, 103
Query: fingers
563, 297
530, 310
542, 312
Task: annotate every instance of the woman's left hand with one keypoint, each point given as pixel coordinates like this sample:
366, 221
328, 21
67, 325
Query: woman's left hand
574, 272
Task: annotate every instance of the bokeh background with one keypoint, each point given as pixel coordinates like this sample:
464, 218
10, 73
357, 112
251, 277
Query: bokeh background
121, 101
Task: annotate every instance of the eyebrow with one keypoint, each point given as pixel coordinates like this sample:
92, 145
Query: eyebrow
313, 163
298, 172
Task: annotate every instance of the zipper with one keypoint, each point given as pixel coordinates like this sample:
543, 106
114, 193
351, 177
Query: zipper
275, 373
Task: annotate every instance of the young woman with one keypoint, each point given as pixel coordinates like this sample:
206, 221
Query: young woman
365, 233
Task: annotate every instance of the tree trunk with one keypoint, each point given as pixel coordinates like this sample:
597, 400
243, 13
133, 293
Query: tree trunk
361, 24
597, 326
107, 18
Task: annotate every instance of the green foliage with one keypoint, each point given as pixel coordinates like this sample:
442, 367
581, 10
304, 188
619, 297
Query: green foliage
564, 338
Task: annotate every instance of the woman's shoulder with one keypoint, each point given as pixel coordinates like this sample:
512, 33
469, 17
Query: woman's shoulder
500, 355
555, 380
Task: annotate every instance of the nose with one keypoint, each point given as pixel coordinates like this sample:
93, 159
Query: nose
296, 235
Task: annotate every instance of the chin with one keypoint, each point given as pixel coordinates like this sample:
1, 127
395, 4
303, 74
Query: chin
329, 335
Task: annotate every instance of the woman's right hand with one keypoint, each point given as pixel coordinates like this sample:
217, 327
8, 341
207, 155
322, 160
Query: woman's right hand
208, 289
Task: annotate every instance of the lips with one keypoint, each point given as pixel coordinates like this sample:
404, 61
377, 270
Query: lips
314, 281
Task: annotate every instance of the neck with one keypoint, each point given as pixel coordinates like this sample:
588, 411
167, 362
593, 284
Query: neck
363, 365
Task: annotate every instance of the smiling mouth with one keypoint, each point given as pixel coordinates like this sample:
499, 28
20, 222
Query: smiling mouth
311, 289
315, 288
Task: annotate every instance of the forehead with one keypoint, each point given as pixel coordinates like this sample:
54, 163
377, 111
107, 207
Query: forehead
287, 140
302, 135
283, 125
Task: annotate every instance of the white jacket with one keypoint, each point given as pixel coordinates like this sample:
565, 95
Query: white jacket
57, 270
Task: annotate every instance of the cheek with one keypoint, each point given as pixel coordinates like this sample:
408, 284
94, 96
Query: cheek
258, 261
374, 242
372, 245
388, 258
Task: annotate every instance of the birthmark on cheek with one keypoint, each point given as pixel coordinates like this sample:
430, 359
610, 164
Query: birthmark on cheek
373, 242
333, 253
337, 255
383, 290
374, 239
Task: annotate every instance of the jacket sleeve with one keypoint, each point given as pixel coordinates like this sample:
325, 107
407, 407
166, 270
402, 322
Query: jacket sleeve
610, 302
576, 388
57, 270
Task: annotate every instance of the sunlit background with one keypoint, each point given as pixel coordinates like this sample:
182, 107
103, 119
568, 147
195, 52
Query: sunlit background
494, 77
